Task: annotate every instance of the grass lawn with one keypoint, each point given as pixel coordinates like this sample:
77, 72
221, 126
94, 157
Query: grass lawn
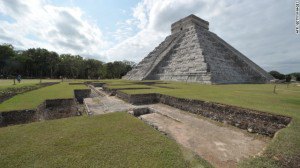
32, 99
9, 83
286, 144
110, 140
119, 140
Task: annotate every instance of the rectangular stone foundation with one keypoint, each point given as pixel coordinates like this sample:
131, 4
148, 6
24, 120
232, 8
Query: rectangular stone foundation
248, 119
48, 110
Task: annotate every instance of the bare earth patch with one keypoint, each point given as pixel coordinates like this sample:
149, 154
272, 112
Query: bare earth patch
221, 145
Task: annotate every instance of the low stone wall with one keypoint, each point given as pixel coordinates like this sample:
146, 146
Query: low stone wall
48, 110
124, 96
80, 94
251, 120
17, 117
76, 83
9, 93
113, 92
139, 99
94, 83
108, 90
53, 103
97, 84
57, 108
140, 111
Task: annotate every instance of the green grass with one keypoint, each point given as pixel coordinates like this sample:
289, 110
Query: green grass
32, 99
286, 144
254, 96
133, 86
111, 140
8, 83
92, 142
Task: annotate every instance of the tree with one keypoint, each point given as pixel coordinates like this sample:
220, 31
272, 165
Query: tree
93, 69
6, 53
117, 69
288, 78
53, 60
70, 66
296, 75
129, 63
110, 70
28, 63
17, 64
39, 62
277, 75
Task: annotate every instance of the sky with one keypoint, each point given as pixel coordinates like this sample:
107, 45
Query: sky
110, 30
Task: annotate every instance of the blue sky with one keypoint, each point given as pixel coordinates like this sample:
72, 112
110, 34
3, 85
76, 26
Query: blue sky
107, 13
111, 30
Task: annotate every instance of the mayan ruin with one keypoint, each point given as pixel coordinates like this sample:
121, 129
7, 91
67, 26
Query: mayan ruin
194, 54
149, 84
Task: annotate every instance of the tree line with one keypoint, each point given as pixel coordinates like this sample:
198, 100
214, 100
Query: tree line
286, 78
41, 63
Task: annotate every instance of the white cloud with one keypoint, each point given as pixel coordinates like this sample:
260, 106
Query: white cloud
134, 48
125, 30
154, 19
262, 30
62, 29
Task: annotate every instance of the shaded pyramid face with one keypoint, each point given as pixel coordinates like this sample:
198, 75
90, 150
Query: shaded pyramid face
194, 54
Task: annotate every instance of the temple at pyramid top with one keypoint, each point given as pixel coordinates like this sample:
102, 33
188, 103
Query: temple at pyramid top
184, 23
194, 54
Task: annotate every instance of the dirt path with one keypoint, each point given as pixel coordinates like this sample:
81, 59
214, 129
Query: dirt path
105, 103
220, 144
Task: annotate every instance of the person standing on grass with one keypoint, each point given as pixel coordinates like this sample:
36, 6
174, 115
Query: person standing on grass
19, 78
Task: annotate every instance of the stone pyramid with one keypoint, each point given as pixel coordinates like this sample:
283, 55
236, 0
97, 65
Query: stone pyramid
194, 54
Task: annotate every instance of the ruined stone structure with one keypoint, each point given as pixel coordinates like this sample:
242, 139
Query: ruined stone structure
194, 54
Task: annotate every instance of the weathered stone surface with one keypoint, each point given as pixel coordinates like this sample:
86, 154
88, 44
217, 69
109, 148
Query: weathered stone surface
48, 110
243, 118
57, 108
194, 54
17, 117
80, 94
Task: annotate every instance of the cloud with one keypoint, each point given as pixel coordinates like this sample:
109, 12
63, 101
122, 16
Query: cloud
134, 48
14, 7
263, 32
62, 29
125, 30
153, 19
